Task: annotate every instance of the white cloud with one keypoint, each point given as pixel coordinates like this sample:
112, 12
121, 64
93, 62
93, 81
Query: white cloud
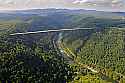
79, 1
112, 5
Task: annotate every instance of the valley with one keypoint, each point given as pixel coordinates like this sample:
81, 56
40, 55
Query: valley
62, 46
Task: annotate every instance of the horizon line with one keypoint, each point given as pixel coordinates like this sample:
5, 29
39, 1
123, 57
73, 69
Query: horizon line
11, 10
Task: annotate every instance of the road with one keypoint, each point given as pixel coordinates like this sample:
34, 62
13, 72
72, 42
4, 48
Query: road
56, 43
46, 31
63, 54
58, 30
57, 46
70, 60
68, 57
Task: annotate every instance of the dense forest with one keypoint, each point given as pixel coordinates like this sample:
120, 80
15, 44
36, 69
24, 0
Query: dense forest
95, 55
23, 60
102, 49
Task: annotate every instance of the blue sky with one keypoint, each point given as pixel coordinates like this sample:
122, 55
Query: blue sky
106, 5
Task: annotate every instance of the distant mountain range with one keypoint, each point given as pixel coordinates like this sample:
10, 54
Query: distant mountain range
63, 11
39, 19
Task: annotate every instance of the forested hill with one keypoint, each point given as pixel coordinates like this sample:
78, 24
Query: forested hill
32, 58
42, 19
80, 56
102, 50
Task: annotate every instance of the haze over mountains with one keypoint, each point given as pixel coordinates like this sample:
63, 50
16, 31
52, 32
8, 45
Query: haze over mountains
39, 19
63, 11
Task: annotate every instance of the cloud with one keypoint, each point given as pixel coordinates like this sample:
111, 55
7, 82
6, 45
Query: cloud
112, 5
25, 4
79, 1
106, 3
19, 4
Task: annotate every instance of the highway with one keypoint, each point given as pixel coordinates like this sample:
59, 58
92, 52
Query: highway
67, 57
46, 31
62, 52
57, 30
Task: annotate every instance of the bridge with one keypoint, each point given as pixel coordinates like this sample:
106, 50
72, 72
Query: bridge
56, 30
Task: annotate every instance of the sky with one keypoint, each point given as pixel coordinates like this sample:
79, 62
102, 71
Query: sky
101, 5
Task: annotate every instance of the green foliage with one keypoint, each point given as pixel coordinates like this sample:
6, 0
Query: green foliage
33, 57
95, 22
37, 62
103, 48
